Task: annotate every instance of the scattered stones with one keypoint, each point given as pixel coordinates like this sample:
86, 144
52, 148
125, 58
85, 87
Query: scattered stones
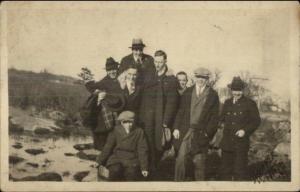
35, 165
15, 159
80, 175
17, 146
42, 131
69, 154
47, 176
35, 151
85, 146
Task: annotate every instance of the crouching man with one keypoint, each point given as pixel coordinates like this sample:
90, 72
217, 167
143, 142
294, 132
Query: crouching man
125, 153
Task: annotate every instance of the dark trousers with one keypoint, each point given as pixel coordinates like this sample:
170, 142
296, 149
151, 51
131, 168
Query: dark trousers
119, 172
234, 166
99, 140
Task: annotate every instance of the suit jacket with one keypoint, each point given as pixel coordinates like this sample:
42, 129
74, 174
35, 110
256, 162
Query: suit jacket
244, 115
206, 127
128, 149
146, 70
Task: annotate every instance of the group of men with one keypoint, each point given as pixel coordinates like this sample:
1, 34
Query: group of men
141, 109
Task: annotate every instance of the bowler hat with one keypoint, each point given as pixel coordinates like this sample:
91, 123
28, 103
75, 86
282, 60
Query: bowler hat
202, 72
237, 84
111, 64
126, 116
137, 44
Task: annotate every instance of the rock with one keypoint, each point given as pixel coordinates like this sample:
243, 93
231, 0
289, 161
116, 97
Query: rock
80, 175
283, 149
66, 173
90, 154
80, 147
35, 140
17, 146
35, 165
47, 176
69, 154
92, 176
35, 151
15, 128
42, 131
259, 152
15, 159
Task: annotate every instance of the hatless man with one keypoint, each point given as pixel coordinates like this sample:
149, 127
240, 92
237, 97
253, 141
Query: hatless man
240, 118
195, 125
182, 80
161, 103
126, 152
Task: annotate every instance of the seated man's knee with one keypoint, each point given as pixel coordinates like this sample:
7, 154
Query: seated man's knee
115, 172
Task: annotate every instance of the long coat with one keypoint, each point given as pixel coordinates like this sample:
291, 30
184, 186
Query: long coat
207, 123
146, 70
244, 115
159, 107
128, 149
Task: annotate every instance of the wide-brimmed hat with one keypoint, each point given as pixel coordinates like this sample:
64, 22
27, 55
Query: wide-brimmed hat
237, 84
126, 116
111, 64
202, 73
137, 44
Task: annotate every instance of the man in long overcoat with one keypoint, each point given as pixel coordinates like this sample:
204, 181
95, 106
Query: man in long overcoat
240, 118
158, 114
195, 125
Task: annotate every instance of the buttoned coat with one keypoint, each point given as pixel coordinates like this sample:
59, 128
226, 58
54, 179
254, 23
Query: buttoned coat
243, 115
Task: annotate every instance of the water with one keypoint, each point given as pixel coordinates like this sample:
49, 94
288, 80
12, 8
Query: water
54, 160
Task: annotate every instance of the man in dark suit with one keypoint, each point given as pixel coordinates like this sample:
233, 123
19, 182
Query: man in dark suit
195, 125
160, 107
143, 62
240, 118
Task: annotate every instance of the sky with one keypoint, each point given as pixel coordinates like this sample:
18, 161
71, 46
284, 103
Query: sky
64, 37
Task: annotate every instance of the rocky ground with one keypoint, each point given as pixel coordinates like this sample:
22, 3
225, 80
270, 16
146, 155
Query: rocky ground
39, 151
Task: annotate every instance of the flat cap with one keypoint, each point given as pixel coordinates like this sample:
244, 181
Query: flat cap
126, 116
202, 72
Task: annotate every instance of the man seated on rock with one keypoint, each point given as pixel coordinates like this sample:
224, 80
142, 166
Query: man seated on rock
125, 153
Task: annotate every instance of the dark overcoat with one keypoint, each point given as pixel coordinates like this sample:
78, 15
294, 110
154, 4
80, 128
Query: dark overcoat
207, 123
146, 70
159, 107
128, 149
244, 115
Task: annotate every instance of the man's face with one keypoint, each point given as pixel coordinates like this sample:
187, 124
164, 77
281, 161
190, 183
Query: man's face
200, 82
237, 94
127, 124
131, 74
137, 52
159, 62
112, 73
182, 79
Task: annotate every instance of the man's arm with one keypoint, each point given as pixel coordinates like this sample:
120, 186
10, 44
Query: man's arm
108, 148
254, 119
172, 101
213, 122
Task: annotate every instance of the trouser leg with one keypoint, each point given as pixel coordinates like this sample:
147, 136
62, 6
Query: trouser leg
226, 169
240, 166
115, 172
199, 165
99, 140
132, 173
180, 164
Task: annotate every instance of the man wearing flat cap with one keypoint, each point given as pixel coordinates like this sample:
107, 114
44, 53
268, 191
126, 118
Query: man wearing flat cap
144, 62
195, 125
126, 152
105, 102
240, 118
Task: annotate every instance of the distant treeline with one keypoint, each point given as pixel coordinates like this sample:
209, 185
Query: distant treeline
45, 91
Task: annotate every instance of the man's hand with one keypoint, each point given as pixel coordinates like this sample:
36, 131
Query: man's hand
101, 96
240, 133
176, 134
168, 134
145, 173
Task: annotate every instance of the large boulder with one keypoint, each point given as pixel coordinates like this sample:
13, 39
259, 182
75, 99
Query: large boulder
47, 176
17, 145
35, 151
15, 159
89, 154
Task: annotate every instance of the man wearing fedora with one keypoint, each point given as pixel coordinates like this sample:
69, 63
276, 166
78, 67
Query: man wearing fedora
240, 118
144, 62
195, 125
105, 103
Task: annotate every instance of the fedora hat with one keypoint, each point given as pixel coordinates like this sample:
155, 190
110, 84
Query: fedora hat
111, 64
137, 44
237, 84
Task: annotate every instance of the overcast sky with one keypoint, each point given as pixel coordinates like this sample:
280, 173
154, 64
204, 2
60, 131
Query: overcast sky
62, 38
